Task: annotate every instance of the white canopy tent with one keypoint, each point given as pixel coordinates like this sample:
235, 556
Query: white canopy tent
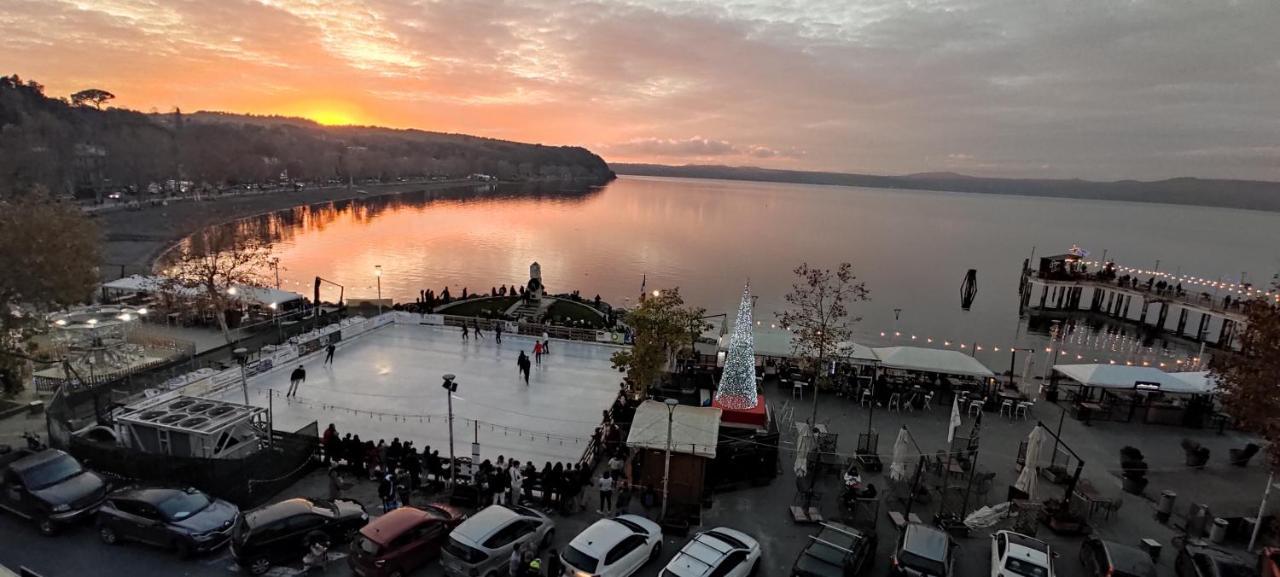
931, 361
694, 430
780, 343
1125, 377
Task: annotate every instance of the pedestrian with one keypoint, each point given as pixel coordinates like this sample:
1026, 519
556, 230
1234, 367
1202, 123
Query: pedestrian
404, 490
497, 332
335, 483
329, 442
530, 474
522, 365
394, 451
535, 566
553, 564
605, 484
433, 465
615, 465
624, 496
387, 492
465, 334
475, 325
537, 352
328, 353
413, 466
513, 565
297, 377
517, 482
546, 345
317, 555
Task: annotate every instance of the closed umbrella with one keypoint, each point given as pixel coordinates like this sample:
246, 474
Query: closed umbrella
804, 444
1027, 478
898, 468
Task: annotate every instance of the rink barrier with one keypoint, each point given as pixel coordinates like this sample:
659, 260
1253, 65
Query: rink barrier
535, 330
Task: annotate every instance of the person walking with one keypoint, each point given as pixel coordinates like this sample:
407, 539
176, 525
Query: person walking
522, 365
475, 325
328, 353
297, 377
605, 484
465, 335
497, 332
537, 352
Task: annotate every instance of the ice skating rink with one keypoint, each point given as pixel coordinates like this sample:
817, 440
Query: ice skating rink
386, 384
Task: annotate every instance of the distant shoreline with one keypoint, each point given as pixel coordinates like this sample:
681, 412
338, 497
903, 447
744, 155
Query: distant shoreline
1236, 194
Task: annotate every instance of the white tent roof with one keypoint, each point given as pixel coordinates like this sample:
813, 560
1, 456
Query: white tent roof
1125, 377
780, 343
856, 352
931, 361
694, 430
149, 284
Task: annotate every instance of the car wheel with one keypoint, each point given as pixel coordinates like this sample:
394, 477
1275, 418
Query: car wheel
657, 550
755, 568
181, 548
47, 527
259, 566
108, 535
548, 539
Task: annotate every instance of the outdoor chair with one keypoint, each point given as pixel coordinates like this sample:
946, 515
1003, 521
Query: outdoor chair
975, 407
866, 397
895, 402
1023, 409
928, 402
797, 389
1006, 408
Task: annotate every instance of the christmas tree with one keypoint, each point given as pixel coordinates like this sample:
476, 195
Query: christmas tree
737, 388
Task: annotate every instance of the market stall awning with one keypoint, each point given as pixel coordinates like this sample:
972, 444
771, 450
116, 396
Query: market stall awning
1125, 377
694, 430
931, 361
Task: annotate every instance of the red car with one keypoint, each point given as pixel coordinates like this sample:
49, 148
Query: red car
403, 540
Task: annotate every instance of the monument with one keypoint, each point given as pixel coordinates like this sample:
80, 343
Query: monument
534, 288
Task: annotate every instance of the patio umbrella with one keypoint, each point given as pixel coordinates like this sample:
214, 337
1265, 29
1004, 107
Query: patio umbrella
1027, 478
898, 468
804, 444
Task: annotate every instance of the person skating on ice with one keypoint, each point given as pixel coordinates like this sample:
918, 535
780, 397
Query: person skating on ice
297, 377
328, 354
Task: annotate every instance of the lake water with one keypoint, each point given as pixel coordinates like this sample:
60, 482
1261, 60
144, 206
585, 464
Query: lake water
708, 237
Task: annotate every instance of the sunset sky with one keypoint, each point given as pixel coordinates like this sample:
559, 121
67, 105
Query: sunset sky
1102, 89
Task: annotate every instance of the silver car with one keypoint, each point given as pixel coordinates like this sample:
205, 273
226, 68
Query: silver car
481, 546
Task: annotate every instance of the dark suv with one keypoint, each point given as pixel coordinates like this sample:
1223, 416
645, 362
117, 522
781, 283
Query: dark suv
184, 520
49, 487
1108, 559
282, 533
922, 551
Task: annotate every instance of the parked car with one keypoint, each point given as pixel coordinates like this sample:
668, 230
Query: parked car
282, 533
396, 544
837, 550
922, 551
1017, 555
613, 547
185, 520
719, 552
481, 545
50, 488
1200, 559
1109, 559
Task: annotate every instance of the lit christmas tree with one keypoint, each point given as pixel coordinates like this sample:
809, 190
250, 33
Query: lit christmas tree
737, 388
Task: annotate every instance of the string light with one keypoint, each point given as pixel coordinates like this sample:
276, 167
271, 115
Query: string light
737, 388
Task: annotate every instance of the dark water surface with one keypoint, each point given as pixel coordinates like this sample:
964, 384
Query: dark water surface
708, 237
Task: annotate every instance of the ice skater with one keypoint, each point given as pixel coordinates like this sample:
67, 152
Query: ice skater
297, 377
522, 365
546, 346
475, 325
328, 353
497, 332
465, 335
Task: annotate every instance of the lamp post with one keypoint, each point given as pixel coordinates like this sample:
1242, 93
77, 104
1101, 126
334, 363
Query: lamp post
275, 266
666, 468
377, 270
450, 388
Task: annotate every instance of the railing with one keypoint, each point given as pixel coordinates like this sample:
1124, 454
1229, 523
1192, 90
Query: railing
1202, 299
535, 329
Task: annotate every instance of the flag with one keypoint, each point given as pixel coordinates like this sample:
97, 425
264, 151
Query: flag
955, 421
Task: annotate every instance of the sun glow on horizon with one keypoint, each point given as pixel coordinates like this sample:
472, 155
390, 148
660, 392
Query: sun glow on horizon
329, 113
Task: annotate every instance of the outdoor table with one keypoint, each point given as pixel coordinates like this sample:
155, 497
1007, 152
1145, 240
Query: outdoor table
1090, 410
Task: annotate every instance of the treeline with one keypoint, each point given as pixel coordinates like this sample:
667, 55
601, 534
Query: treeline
79, 146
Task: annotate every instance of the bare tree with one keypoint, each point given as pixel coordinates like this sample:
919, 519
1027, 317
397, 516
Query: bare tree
818, 316
214, 270
95, 96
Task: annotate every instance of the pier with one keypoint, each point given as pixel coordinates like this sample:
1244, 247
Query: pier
1063, 283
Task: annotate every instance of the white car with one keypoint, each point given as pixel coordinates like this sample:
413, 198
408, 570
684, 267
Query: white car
615, 547
1017, 555
720, 552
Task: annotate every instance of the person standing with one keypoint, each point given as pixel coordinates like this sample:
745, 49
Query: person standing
328, 353
497, 332
514, 564
605, 484
387, 492
553, 563
297, 377
546, 345
329, 442
517, 482
335, 483
522, 364
537, 352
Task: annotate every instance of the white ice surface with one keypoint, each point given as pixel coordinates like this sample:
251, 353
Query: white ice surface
397, 369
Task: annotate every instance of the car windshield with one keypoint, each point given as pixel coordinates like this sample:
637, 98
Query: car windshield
183, 505
579, 560
1024, 568
51, 472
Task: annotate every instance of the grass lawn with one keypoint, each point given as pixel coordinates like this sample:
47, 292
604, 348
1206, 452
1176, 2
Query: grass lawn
481, 307
568, 312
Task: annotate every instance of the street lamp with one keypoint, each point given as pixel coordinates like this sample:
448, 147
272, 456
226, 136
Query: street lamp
377, 270
275, 266
450, 388
666, 469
